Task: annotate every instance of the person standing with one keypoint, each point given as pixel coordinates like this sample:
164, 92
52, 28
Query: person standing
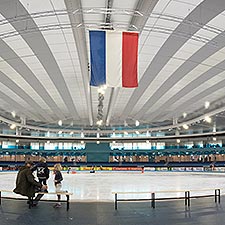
42, 174
57, 181
42, 171
26, 185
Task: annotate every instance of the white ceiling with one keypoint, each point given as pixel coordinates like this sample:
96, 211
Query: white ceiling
44, 58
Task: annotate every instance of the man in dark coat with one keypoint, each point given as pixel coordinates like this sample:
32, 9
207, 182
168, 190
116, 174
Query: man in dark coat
26, 185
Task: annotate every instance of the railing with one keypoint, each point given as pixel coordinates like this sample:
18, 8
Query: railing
187, 196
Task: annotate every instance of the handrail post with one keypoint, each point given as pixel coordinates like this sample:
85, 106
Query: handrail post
188, 198
153, 200
217, 195
67, 202
115, 201
185, 197
0, 197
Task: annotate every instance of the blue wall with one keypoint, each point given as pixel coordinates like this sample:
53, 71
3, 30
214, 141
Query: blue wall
97, 152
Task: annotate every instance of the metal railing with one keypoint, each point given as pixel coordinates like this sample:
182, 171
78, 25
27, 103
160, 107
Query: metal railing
187, 196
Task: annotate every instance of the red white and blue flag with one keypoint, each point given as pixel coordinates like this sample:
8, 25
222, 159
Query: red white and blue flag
114, 58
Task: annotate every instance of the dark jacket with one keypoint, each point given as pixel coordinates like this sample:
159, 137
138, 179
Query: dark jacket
58, 177
25, 182
42, 170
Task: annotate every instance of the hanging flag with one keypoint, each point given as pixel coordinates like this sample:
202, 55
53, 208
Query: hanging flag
114, 57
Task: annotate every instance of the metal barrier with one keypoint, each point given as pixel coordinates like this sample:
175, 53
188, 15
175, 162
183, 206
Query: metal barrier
187, 196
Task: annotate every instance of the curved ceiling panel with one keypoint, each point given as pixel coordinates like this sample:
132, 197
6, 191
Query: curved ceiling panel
45, 63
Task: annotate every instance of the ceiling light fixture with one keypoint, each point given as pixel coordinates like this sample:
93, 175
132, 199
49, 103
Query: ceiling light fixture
12, 126
185, 126
208, 119
13, 113
137, 123
60, 122
99, 122
207, 104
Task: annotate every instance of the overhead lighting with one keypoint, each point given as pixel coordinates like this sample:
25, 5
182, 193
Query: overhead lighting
71, 133
184, 114
99, 122
137, 123
208, 119
137, 132
113, 134
98, 142
147, 141
207, 104
125, 133
82, 142
17, 140
147, 133
214, 128
60, 122
82, 135
214, 138
98, 135
60, 132
48, 142
114, 142
185, 126
13, 113
12, 126
102, 89
178, 140
79, 25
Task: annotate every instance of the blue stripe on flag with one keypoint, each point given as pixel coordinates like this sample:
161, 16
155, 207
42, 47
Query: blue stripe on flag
98, 57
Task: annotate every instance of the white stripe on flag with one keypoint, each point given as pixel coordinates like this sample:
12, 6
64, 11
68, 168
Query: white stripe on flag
114, 59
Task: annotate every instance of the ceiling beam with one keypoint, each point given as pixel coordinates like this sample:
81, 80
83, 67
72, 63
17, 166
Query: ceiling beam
80, 40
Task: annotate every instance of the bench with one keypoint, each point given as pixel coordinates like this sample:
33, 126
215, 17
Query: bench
187, 196
42, 193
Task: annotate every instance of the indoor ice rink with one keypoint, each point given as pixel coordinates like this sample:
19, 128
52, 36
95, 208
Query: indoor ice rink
99, 186
124, 100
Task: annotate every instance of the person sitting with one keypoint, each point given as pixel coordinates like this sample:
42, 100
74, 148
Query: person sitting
26, 185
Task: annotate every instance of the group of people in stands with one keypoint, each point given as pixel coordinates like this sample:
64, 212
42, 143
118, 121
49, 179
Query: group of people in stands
26, 184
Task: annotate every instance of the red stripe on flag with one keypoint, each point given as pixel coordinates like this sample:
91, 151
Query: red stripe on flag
129, 59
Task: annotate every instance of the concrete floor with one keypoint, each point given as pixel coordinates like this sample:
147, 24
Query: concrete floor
201, 212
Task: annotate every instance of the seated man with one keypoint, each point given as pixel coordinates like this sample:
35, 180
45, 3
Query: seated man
26, 185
